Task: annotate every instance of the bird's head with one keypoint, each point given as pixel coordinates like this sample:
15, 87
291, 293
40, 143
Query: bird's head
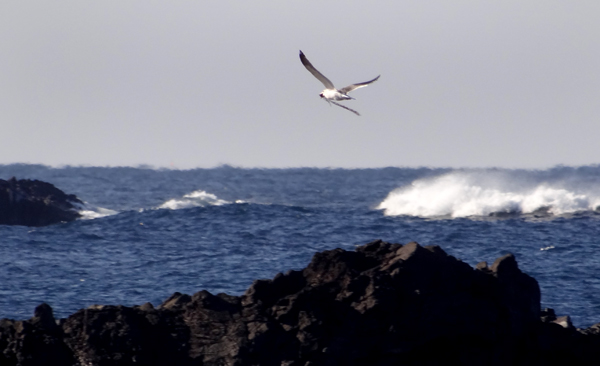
321, 95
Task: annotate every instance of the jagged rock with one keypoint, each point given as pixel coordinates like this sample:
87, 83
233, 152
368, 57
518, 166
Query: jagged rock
35, 203
119, 335
37, 341
383, 304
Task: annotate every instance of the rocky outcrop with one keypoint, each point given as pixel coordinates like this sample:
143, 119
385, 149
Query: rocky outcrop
383, 304
35, 203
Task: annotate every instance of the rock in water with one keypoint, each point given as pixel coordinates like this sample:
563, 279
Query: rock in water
381, 305
35, 203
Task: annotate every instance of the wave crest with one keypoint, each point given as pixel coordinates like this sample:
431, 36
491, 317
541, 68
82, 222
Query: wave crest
89, 212
195, 199
475, 194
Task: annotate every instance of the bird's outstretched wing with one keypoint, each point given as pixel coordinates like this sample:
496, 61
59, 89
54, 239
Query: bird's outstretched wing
350, 88
343, 106
328, 84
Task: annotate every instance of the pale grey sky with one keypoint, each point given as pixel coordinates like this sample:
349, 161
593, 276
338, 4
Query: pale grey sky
200, 83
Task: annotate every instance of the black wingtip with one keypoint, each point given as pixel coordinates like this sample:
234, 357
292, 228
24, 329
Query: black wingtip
302, 57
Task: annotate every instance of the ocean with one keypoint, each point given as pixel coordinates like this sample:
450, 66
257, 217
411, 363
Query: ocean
147, 233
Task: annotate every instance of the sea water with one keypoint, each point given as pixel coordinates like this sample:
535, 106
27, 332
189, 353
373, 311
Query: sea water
147, 233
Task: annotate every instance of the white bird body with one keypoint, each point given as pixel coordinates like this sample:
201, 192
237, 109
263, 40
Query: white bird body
334, 94
331, 94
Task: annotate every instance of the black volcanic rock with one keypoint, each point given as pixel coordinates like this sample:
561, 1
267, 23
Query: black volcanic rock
35, 203
383, 304
37, 341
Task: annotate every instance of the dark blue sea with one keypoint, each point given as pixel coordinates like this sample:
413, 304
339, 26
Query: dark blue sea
148, 233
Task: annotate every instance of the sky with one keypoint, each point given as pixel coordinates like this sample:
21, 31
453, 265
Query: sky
187, 84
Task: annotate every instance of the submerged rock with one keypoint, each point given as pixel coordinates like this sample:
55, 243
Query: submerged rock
383, 304
35, 203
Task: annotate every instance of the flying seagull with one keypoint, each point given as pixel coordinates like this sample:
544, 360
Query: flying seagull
330, 94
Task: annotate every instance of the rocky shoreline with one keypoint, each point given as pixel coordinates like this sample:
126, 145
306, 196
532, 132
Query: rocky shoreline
382, 304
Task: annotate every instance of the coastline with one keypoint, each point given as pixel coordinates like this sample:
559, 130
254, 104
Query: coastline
383, 303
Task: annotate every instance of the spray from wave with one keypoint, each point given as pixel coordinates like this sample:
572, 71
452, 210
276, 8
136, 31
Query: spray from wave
195, 199
485, 193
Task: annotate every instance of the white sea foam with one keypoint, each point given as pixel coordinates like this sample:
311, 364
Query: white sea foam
463, 194
89, 212
195, 199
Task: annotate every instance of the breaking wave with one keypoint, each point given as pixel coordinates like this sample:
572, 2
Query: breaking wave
487, 193
88, 211
195, 199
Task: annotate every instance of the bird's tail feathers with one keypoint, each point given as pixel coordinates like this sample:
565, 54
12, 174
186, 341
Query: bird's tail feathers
343, 106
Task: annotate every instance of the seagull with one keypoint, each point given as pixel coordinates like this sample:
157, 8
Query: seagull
331, 94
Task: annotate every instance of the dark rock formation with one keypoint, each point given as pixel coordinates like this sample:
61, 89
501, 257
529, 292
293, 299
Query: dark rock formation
38, 341
381, 305
35, 203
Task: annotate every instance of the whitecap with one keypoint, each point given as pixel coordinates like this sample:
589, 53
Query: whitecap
88, 211
195, 199
484, 193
